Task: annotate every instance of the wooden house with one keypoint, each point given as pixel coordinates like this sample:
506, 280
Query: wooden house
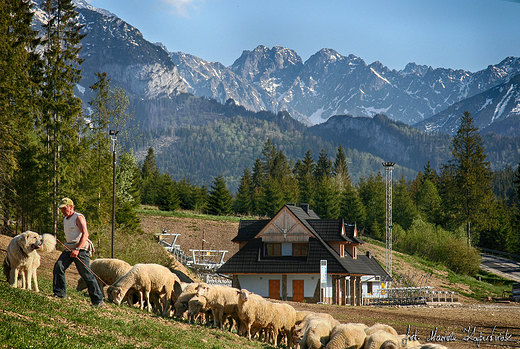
281, 258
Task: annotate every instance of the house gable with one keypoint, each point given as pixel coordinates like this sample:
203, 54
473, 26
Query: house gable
285, 227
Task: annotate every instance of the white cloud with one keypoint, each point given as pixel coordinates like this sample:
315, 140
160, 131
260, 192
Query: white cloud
180, 7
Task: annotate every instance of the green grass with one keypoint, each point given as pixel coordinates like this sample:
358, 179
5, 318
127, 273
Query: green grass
37, 320
154, 211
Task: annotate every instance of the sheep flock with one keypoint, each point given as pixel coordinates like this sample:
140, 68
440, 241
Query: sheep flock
159, 290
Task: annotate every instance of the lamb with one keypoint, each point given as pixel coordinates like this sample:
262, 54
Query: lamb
383, 327
381, 339
181, 304
343, 336
146, 278
107, 271
222, 300
316, 329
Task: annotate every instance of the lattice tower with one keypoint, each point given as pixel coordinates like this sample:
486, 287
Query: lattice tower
389, 166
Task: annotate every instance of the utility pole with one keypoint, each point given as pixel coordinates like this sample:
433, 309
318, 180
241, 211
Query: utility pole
113, 136
389, 166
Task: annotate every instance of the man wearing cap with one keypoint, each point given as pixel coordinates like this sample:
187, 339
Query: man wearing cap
78, 249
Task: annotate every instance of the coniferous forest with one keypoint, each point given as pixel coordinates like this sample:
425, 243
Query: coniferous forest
222, 159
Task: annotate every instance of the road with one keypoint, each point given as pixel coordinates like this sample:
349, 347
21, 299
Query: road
504, 267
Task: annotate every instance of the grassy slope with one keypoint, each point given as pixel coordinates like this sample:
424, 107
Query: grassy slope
32, 320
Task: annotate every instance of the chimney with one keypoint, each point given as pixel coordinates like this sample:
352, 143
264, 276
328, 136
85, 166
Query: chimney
291, 204
369, 254
305, 207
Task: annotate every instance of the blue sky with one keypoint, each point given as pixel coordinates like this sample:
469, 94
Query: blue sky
458, 34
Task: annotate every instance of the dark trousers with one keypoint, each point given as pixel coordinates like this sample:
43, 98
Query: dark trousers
59, 285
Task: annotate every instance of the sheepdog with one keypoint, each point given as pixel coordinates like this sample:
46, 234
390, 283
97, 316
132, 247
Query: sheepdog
22, 258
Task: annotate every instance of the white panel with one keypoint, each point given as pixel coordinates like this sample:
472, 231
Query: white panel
286, 249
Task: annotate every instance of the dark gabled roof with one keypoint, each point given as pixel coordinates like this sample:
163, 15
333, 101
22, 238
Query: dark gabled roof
247, 229
376, 267
329, 229
249, 260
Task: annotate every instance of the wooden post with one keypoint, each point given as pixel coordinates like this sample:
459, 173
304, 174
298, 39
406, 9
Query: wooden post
352, 290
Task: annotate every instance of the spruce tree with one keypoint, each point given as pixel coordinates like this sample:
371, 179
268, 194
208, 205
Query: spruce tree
467, 191
323, 167
167, 198
244, 199
327, 200
351, 206
404, 210
372, 191
220, 200
304, 171
340, 170
19, 192
150, 175
60, 114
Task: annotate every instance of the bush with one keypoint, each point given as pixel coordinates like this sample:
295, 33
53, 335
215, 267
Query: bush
439, 245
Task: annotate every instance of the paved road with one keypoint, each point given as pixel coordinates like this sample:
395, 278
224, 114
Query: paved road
504, 267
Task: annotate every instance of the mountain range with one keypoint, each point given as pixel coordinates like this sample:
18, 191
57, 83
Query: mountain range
343, 96
276, 79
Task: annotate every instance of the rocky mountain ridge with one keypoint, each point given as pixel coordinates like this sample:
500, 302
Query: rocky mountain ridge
330, 84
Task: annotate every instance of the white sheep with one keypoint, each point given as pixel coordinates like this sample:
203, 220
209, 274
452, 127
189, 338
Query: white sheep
381, 339
146, 278
255, 312
181, 304
380, 327
222, 300
107, 271
343, 336
283, 322
316, 330
198, 309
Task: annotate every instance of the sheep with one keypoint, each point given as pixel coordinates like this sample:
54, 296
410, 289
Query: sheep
198, 309
146, 278
283, 322
181, 304
222, 300
383, 327
107, 271
255, 312
381, 339
316, 329
343, 336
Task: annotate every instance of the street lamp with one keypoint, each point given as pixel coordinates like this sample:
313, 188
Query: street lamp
113, 136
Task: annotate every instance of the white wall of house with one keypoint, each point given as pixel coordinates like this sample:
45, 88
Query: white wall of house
259, 284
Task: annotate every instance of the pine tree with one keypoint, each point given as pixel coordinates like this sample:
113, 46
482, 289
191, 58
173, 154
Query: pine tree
220, 200
466, 186
428, 202
60, 109
351, 206
372, 191
404, 210
18, 89
340, 170
304, 171
167, 198
323, 167
150, 175
327, 200
244, 199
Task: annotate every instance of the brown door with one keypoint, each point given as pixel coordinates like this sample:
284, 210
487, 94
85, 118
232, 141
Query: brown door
274, 289
297, 290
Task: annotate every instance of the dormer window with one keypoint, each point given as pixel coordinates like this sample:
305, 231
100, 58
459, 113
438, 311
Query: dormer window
300, 249
273, 249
